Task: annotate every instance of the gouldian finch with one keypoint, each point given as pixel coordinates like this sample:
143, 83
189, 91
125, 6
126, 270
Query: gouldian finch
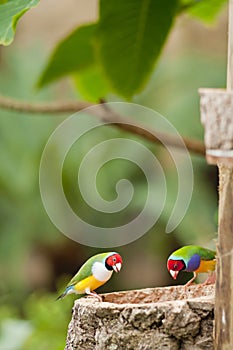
95, 272
192, 258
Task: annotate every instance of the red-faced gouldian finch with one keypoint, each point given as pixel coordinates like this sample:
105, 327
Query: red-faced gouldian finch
95, 272
192, 258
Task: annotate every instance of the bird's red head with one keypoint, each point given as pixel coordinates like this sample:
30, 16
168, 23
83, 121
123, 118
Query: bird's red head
114, 262
175, 266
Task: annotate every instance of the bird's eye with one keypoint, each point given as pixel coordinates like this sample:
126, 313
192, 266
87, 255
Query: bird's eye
175, 266
114, 259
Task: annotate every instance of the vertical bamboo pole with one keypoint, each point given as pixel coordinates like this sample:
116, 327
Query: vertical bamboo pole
224, 283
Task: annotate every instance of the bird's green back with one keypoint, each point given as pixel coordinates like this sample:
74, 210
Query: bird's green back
188, 251
86, 270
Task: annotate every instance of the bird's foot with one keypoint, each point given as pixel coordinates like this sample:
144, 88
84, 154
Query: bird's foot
95, 295
191, 281
211, 279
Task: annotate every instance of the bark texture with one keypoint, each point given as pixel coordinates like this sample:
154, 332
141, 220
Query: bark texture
217, 117
224, 282
216, 107
155, 318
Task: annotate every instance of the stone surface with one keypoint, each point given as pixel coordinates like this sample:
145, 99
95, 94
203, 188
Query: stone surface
154, 318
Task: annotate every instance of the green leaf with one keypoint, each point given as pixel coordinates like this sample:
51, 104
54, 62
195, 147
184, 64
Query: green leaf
205, 10
130, 37
91, 84
10, 12
72, 54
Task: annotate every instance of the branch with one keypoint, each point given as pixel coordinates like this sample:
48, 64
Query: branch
106, 115
52, 108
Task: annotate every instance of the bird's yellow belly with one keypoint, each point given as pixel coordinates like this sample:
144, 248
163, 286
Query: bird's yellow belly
206, 266
88, 283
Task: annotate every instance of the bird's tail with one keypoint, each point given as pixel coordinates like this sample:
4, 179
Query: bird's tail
61, 296
67, 291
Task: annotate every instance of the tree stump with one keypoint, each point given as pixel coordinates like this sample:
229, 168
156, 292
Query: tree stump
154, 318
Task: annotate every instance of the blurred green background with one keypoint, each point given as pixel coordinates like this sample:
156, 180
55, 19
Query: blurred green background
36, 260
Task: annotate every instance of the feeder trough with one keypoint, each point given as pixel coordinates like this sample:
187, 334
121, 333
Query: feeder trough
148, 319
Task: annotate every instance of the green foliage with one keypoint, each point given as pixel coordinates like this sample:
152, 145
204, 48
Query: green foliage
73, 54
23, 221
10, 13
204, 10
49, 320
14, 332
131, 35
119, 52
128, 40
43, 327
116, 54
7, 312
91, 83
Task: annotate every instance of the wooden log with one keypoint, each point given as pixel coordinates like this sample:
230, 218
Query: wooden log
150, 319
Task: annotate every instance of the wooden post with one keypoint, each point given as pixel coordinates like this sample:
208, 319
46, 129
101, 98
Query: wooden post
224, 283
230, 48
217, 116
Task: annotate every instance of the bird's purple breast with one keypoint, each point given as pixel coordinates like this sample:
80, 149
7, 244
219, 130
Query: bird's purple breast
193, 263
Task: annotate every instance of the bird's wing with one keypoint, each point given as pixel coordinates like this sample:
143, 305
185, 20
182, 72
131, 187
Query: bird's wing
207, 254
86, 270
